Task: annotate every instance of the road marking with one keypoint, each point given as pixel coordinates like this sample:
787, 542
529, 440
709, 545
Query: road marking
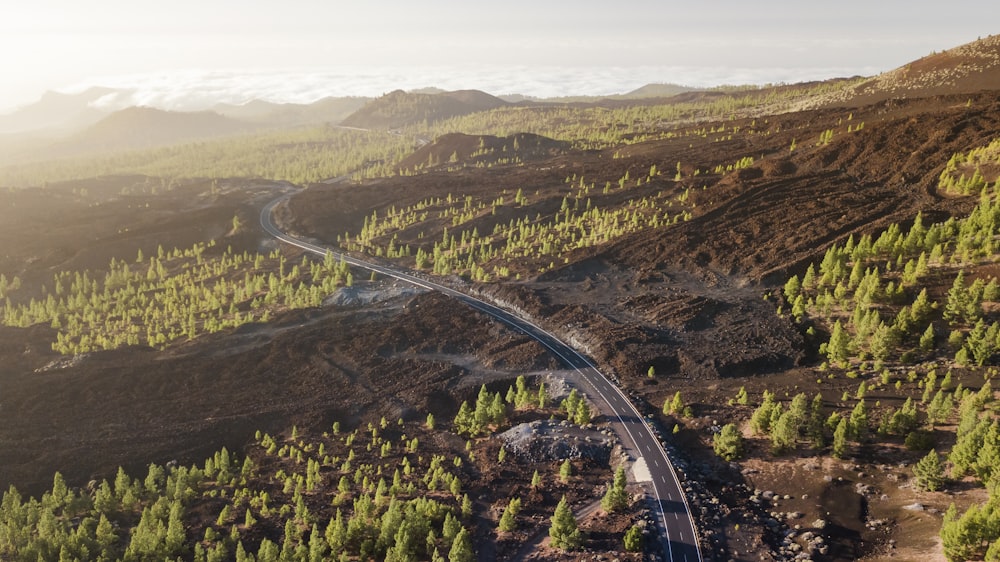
567, 354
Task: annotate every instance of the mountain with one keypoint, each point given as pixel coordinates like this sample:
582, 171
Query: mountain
146, 127
470, 150
326, 110
57, 112
399, 108
655, 91
648, 91
965, 69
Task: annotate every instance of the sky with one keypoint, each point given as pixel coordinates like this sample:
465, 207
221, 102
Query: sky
197, 51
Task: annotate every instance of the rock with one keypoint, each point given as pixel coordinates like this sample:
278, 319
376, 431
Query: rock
914, 507
819, 523
538, 441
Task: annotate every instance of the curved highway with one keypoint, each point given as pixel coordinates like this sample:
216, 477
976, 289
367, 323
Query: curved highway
676, 526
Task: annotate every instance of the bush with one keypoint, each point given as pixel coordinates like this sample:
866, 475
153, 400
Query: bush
919, 441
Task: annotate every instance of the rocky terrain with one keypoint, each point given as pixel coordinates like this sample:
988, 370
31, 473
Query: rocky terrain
691, 305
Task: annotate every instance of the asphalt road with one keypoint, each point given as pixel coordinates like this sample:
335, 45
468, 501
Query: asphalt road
676, 526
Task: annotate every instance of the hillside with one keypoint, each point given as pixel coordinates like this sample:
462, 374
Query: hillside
327, 110
966, 69
56, 112
804, 304
139, 127
145, 127
397, 109
457, 149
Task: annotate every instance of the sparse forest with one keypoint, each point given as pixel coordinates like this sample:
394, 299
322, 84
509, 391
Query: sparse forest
172, 295
796, 286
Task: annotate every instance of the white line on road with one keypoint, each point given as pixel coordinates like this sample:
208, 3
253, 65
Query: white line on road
567, 354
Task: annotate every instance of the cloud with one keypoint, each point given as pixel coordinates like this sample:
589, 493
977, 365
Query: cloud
191, 90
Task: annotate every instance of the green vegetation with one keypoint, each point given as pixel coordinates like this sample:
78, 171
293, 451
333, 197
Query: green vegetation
633, 539
929, 472
869, 291
675, 406
474, 243
963, 174
490, 410
564, 533
975, 535
728, 443
616, 498
565, 471
300, 156
601, 127
873, 296
269, 509
508, 521
173, 295
309, 155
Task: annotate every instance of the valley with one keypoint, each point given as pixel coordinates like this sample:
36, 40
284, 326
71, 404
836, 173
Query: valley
794, 287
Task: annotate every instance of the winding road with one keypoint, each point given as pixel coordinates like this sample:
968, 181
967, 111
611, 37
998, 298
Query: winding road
651, 465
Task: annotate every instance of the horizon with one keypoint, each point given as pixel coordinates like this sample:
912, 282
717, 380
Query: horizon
163, 50
195, 90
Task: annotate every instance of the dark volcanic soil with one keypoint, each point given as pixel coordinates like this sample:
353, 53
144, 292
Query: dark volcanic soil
690, 299
132, 407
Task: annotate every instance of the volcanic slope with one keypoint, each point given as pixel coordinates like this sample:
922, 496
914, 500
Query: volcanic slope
689, 298
397, 109
967, 69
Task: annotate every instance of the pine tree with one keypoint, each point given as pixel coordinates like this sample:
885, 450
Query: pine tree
859, 422
728, 443
461, 548
784, 433
837, 347
814, 427
792, 288
508, 521
677, 404
840, 439
564, 533
927, 339
929, 472
760, 421
958, 299
616, 497
633, 539
565, 471
741, 397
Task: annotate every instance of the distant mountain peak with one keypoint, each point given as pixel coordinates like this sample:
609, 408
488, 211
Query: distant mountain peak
399, 108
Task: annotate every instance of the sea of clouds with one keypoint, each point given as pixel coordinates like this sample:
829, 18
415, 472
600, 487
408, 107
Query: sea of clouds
190, 90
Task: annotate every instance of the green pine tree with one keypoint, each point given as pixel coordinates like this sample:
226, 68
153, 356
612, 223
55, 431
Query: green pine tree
728, 443
929, 472
564, 533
